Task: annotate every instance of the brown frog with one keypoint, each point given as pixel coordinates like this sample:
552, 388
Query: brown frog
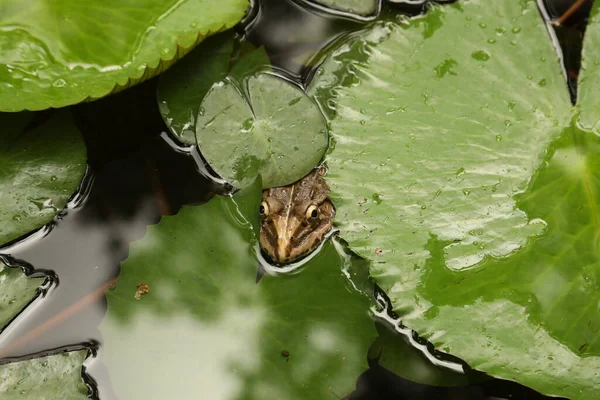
295, 218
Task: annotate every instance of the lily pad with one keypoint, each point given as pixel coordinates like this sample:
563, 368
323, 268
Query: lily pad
41, 165
183, 87
361, 8
16, 291
188, 296
588, 97
46, 378
261, 126
57, 54
432, 172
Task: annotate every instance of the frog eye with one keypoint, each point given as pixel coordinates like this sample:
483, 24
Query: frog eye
263, 210
312, 212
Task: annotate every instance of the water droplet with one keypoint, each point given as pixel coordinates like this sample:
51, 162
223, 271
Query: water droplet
466, 192
498, 138
193, 25
460, 172
12, 301
201, 111
16, 218
363, 111
362, 122
507, 123
511, 105
59, 83
491, 41
377, 198
480, 55
516, 29
248, 124
542, 82
500, 31
165, 51
482, 25
423, 207
270, 140
53, 178
294, 101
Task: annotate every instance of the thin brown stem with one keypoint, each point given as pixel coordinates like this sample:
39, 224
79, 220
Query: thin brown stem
574, 7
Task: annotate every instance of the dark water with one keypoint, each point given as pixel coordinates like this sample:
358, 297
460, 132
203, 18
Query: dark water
135, 176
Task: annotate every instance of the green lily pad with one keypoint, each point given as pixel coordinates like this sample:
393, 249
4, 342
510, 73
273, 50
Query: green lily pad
588, 98
262, 126
362, 8
433, 173
183, 87
57, 54
46, 378
219, 333
16, 291
40, 168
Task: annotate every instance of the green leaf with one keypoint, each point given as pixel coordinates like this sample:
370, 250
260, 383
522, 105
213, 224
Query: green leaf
302, 336
363, 8
40, 168
46, 378
183, 87
263, 126
57, 54
16, 291
433, 172
588, 98
534, 315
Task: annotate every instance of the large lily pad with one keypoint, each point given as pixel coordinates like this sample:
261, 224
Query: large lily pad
41, 165
46, 378
60, 53
263, 126
188, 296
434, 144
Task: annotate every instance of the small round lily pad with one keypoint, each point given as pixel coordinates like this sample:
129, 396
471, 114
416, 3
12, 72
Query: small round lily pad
261, 126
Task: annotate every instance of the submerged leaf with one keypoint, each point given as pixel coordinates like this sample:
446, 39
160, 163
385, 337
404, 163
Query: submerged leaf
431, 174
263, 126
60, 53
218, 332
45, 378
40, 168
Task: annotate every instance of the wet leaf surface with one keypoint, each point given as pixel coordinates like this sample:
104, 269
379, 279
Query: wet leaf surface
435, 177
589, 86
363, 8
16, 291
205, 326
40, 168
57, 54
263, 126
46, 378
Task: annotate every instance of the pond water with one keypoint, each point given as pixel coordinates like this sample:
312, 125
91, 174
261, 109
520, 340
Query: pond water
136, 176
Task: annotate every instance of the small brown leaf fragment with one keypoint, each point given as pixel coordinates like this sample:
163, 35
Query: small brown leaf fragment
142, 289
363, 201
378, 251
285, 353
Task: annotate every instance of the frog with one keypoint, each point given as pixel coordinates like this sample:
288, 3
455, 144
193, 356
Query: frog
295, 219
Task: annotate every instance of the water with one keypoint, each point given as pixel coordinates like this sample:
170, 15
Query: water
136, 176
